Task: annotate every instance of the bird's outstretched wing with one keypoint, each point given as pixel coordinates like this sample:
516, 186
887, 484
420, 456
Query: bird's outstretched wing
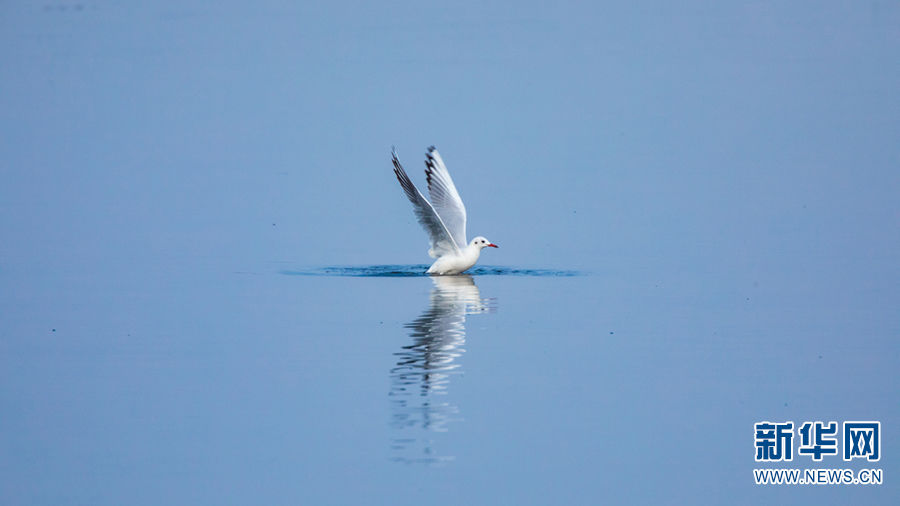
442, 242
445, 198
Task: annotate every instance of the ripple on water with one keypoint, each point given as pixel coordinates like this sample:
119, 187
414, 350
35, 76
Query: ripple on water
400, 271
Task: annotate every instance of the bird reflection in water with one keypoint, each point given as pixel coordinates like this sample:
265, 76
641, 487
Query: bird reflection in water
421, 378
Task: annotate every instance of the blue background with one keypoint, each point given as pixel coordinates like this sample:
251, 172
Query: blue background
726, 175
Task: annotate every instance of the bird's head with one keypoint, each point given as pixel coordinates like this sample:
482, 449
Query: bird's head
482, 242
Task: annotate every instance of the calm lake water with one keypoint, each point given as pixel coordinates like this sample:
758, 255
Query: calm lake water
269, 386
210, 281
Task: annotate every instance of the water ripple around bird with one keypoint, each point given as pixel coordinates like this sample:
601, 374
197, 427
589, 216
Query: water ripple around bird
417, 270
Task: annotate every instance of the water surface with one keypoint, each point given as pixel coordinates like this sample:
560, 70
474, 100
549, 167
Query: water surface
210, 281
420, 270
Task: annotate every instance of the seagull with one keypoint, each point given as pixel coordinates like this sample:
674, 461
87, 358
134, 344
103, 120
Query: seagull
444, 218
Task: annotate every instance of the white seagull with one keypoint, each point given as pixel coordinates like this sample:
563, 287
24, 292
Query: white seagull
444, 218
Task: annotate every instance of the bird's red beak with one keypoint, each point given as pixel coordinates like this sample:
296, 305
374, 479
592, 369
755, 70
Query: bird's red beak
492, 245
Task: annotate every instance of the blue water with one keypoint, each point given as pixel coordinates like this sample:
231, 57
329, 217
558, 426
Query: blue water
247, 387
212, 288
419, 270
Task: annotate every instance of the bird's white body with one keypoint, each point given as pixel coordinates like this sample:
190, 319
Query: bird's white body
454, 264
444, 218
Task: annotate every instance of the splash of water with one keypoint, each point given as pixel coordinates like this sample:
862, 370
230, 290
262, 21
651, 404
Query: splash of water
418, 270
